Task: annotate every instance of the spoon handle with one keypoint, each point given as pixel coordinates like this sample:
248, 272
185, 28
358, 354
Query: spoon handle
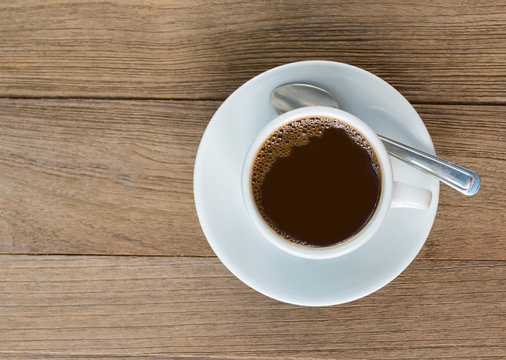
463, 180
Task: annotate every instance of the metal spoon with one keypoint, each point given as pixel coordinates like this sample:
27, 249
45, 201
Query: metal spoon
292, 96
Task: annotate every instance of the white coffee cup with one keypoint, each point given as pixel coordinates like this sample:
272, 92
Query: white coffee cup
393, 194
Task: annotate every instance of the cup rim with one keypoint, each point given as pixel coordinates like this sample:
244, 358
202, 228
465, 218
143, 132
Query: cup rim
356, 240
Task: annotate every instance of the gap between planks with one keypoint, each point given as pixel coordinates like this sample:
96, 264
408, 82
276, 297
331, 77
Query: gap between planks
206, 256
140, 98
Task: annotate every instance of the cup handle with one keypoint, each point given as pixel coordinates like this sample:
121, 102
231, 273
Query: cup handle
409, 196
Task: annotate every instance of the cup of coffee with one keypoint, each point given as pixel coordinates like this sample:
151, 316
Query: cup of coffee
318, 183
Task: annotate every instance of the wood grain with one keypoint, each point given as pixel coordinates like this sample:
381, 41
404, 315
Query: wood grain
100, 177
145, 307
115, 177
432, 51
474, 137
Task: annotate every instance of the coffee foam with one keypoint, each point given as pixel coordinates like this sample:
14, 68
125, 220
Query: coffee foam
298, 133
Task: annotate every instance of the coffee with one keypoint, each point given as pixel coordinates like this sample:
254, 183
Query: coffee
316, 181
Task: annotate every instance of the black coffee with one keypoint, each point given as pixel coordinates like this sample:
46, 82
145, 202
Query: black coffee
316, 181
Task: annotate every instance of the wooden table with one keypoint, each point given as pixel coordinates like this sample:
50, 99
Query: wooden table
102, 106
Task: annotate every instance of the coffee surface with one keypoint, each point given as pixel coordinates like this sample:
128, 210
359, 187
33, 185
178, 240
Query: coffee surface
316, 181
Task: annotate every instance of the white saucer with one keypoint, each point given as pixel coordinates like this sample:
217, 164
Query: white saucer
242, 248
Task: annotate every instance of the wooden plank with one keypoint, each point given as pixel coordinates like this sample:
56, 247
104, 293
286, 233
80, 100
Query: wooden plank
115, 177
57, 306
100, 177
432, 51
474, 137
